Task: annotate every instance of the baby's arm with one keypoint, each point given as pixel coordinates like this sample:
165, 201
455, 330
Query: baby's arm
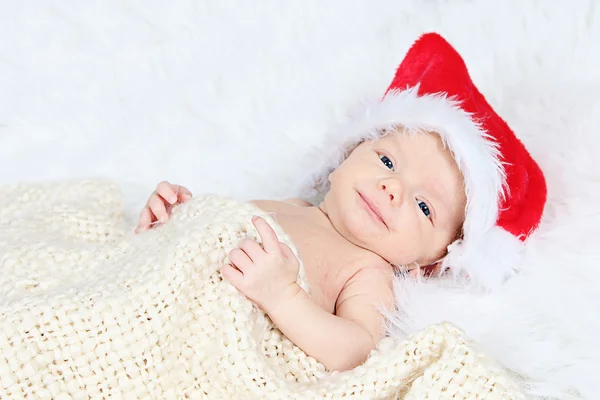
342, 341
267, 274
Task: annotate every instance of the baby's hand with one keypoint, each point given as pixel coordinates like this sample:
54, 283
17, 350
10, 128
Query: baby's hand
267, 274
159, 205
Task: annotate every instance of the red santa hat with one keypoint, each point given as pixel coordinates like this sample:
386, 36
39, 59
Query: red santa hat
505, 188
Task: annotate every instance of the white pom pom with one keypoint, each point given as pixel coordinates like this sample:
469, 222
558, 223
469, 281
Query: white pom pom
488, 259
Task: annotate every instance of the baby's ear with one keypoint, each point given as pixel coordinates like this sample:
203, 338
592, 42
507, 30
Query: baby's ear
332, 173
428, 271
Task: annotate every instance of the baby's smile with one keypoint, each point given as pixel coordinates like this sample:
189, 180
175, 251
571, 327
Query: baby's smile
372, 210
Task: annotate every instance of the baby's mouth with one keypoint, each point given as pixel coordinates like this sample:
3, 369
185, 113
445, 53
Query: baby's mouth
372, 210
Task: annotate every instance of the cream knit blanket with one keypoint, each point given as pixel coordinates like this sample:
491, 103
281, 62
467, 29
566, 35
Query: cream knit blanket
90, 310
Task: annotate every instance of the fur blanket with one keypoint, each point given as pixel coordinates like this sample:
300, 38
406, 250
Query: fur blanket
89, 309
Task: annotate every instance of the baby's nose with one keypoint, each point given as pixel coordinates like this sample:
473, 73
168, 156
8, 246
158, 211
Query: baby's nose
393, 190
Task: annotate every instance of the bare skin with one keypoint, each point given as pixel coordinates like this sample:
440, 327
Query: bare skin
397, 201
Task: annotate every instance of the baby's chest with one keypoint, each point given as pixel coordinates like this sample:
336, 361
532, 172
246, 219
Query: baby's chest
324, 289
321, 267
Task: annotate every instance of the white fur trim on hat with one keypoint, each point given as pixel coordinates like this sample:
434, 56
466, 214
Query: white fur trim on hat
489, 259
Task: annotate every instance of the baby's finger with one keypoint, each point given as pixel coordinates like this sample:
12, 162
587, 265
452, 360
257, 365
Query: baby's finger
167, 192
144, 221
268, 236
232, 275
240, 260
287, 252
183, 194
157, 206
252, 249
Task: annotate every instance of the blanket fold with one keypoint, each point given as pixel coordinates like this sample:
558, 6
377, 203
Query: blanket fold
88, 309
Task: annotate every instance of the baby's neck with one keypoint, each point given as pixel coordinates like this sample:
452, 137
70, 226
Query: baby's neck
318, 216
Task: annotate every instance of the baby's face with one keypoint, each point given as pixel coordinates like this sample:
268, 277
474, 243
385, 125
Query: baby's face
401, 197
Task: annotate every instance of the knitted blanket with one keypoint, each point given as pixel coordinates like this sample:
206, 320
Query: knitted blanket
90, 310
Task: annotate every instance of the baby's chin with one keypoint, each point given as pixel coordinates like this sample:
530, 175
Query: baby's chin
368, 240
364, 228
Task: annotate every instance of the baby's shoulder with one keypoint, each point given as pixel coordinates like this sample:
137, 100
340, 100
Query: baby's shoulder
365, 295
278, 206
373, 280
298, 202
380, 273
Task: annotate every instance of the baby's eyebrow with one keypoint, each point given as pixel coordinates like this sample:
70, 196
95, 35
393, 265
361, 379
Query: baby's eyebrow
396, 146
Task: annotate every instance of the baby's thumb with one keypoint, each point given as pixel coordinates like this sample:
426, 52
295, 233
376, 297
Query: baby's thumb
183, 197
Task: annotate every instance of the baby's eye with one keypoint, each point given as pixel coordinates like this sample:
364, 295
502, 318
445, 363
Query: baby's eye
387, 162
423, 206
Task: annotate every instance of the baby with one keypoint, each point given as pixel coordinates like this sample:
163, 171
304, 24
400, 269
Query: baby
409, 193
397, 201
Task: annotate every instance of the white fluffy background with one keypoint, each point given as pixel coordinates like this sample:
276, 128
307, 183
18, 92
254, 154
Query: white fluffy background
231, 96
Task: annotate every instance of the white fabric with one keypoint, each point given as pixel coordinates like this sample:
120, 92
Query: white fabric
230, 97
90, 310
